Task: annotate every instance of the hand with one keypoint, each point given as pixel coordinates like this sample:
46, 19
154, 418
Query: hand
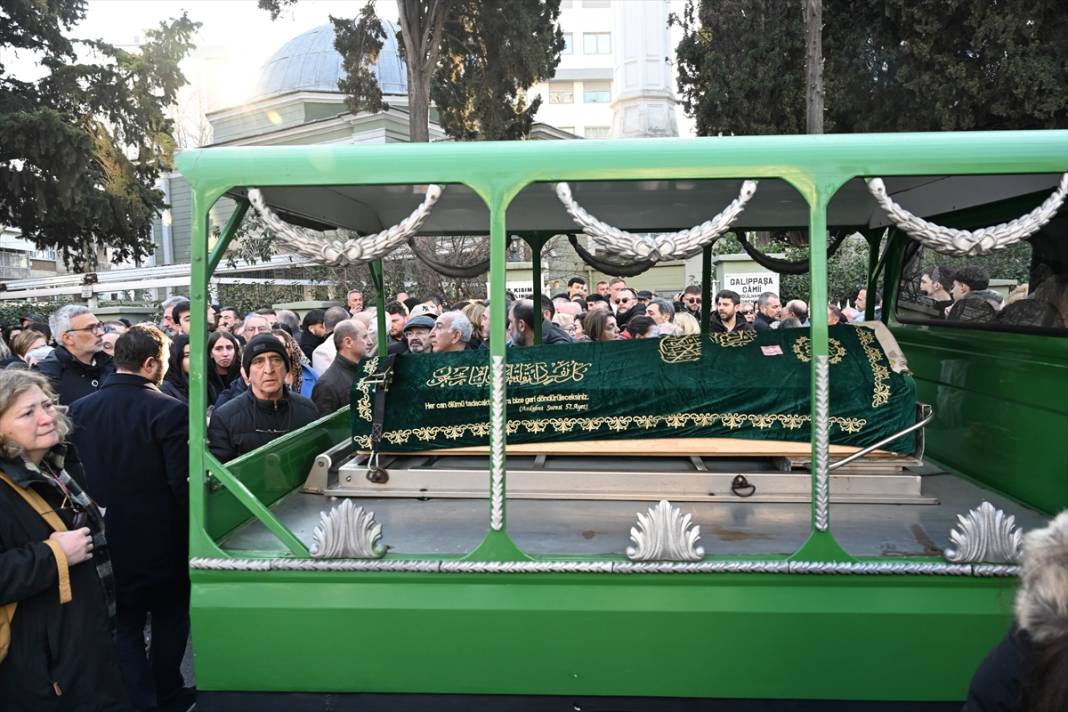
77, 544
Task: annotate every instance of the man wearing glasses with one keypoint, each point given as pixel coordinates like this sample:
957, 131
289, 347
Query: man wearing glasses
691, 301
78, 364
614, 288
627, 306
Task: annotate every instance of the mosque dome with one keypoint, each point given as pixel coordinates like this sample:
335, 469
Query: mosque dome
309, 62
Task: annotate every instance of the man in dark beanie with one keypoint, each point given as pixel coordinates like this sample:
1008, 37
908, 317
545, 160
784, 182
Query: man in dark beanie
267, 410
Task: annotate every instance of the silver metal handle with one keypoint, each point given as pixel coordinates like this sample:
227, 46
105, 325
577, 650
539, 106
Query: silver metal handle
928, 412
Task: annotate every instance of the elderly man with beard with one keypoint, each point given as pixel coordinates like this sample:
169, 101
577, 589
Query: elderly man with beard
416, 336
726, 316
133, 444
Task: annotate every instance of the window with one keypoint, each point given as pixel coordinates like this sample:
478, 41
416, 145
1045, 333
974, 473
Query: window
596, 92
561, 93
568, 40
596, 132
596, 43
1021, 288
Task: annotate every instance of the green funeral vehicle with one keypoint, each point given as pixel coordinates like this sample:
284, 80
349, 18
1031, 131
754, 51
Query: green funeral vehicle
822, 513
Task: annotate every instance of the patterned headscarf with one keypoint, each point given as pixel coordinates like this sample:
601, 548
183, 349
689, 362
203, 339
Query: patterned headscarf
296, 357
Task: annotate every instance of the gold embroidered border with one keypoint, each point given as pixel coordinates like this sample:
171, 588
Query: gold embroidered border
618, 424
881, 394
363, 404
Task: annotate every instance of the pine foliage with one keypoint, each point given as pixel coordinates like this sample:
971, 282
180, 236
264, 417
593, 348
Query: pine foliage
82, 146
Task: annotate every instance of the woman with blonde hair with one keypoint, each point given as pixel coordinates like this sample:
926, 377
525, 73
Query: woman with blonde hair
57, 591
1028, 669
27, 341
686, 325
475, 313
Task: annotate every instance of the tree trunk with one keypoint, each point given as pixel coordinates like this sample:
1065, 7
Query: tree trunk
814, 66
418, 108
421, 28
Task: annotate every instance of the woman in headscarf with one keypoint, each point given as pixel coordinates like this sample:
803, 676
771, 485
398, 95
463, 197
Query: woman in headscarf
56, 587
301, 377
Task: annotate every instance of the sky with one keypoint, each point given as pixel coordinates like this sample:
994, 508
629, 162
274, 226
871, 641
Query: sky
233, 42
235, 38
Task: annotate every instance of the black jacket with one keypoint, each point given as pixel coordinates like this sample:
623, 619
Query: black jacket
332, 390
70, 378
245, 423
309, 342
554, 334
236, 388
71, 644
177, 389
761, 322
999, 683
134, 446
740, 324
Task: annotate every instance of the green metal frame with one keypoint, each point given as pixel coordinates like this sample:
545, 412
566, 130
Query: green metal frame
813, 630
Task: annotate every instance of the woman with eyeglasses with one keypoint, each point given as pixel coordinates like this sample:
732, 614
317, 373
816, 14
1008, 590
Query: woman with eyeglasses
61, 653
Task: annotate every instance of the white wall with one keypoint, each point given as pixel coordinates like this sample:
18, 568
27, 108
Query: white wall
578, 18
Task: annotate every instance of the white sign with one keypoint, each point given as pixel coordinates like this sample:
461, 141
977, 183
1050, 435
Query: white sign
520, 290
751, 285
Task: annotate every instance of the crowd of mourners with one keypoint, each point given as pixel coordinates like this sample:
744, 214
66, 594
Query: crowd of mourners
94, 430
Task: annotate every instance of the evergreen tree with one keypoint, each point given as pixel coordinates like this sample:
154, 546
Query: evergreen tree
492, 50
890, 65
474, 59
82, 146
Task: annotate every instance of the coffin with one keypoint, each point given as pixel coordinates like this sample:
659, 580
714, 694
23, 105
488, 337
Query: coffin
752, 386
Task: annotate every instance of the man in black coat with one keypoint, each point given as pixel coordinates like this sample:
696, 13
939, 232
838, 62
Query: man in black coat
267, 410
313, 331
133, 442
332, 390
726, 316
769, 309
78, 364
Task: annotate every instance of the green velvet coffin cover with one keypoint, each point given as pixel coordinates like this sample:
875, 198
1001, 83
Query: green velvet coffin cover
752, 385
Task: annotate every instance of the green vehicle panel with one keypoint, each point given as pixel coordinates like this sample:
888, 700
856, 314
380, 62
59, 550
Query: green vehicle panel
821, 626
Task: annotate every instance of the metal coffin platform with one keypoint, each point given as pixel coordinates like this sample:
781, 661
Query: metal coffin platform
680, 479
682, 470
